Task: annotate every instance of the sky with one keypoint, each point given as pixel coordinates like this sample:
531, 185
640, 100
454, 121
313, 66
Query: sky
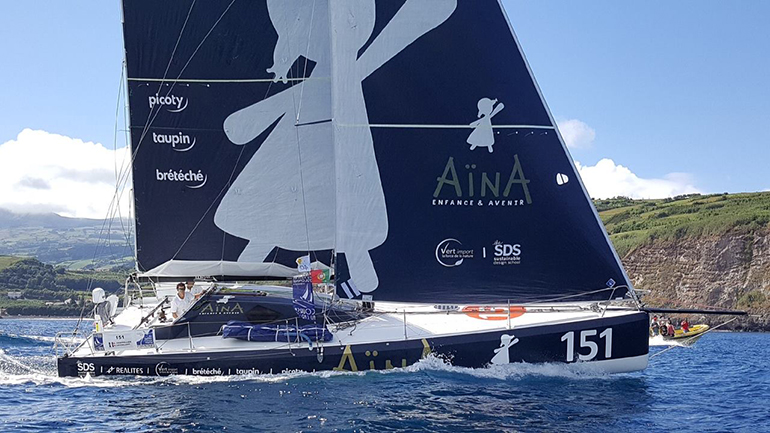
653, 98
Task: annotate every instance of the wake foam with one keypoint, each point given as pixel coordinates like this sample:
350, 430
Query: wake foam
658, 340
7, 339
514, 371
26, 370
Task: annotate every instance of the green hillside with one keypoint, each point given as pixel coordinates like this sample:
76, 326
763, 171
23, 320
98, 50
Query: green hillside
75, 243
633, 223
47, 290
6, 261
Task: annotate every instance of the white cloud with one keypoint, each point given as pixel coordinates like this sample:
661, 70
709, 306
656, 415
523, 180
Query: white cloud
576, 134
45, 172
607, 179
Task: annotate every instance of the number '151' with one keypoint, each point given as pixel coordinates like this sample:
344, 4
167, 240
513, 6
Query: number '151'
593, 348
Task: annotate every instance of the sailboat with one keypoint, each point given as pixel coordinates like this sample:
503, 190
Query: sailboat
353, 186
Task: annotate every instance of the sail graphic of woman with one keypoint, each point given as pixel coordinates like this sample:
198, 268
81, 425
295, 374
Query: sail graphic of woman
265, 203
482, 134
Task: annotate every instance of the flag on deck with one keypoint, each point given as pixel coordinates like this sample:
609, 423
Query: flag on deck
303, 264
303, 299
320, 276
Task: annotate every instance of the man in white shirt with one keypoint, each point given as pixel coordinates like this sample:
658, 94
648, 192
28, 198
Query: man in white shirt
194, 291
181, 301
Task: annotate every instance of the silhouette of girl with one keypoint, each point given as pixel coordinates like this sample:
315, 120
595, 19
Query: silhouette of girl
482, 134
278, 201
501, 353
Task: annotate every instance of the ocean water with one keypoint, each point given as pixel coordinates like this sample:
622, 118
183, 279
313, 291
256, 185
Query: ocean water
722, 384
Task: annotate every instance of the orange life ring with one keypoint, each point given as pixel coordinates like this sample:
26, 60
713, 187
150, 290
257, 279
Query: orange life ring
493, 313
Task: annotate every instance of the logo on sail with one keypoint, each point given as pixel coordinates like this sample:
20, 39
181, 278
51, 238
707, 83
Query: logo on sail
196, 179
472, 187
506, 254
450, 254
179, 142
172, 103
482, 134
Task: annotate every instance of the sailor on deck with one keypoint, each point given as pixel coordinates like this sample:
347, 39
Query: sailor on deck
181, 302
194, 291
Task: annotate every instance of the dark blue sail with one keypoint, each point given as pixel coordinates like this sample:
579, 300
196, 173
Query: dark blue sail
405, 137
483, 202
232, 174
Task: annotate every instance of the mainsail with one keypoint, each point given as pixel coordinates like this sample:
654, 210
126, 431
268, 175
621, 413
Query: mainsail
406, 137
231, 132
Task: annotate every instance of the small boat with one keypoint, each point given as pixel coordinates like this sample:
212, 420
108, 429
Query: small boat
680, 336
688, 337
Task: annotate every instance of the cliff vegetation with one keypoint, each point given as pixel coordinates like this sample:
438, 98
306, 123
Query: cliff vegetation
697, 251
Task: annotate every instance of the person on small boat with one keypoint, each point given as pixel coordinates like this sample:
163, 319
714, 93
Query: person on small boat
655, 326
685, 325
181, 301
670, 329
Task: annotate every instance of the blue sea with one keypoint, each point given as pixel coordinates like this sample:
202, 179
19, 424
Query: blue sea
722, 384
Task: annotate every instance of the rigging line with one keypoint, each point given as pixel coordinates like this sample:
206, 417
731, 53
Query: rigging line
202, 41
152, 117
176, 45
302, 182
228, 184
115, 134
213, 80
130, 234
304, 71
578, 294
269, 86
115, 149
296, 129
173, 84
270, 82
199, 221
267, 92
165, 73
107, 222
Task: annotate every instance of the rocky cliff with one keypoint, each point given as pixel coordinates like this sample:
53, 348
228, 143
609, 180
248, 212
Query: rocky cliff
689, 253
729, 271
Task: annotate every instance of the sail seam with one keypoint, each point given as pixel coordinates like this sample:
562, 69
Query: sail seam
243, 80
439, 126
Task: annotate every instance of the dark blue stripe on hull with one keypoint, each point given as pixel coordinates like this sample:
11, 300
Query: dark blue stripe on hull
627, 337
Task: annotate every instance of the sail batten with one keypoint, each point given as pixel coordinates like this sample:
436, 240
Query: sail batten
440, 126
211, 80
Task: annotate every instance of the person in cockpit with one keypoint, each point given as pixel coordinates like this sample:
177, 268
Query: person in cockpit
181, 302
